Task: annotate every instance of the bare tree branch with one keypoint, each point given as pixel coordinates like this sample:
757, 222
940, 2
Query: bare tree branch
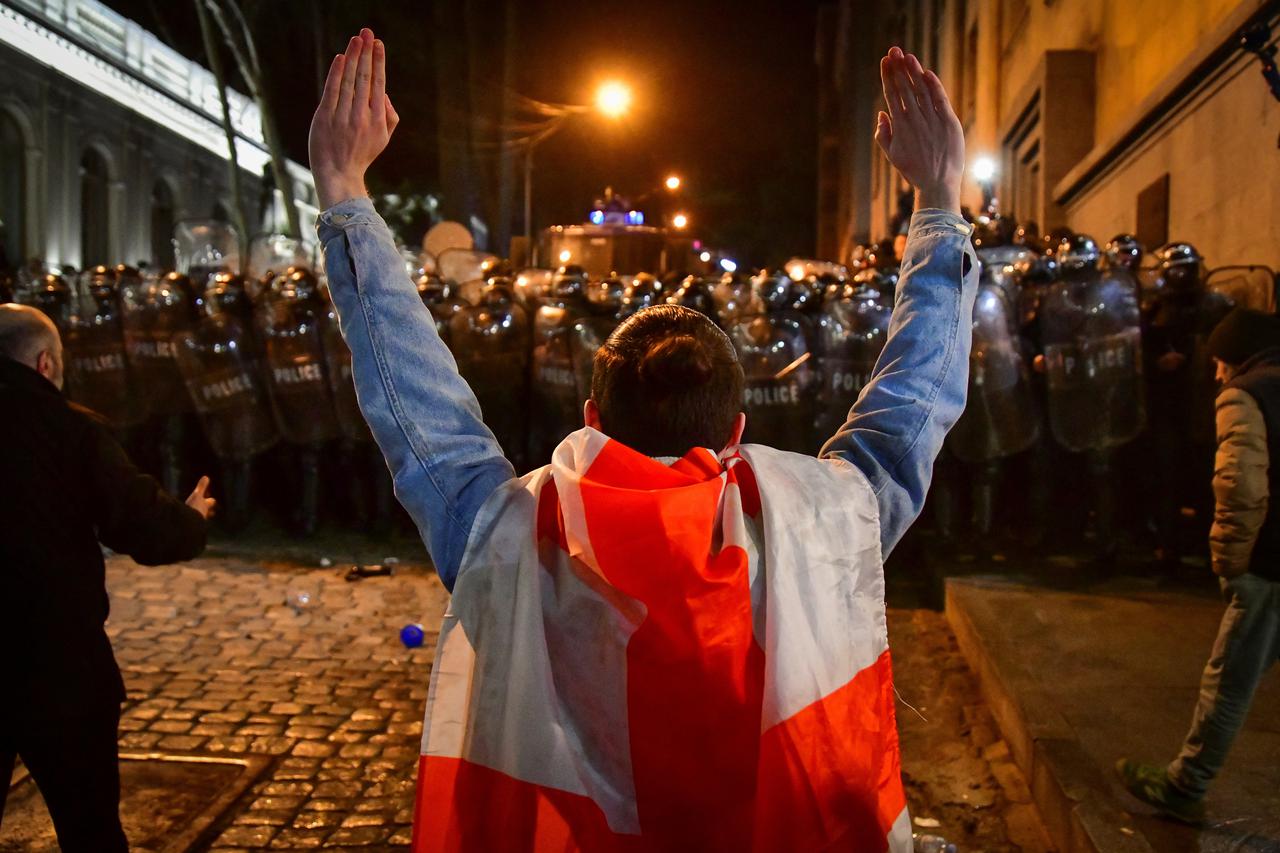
215, 65
246, 57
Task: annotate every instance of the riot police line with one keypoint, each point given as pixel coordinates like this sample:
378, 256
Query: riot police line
1078, 351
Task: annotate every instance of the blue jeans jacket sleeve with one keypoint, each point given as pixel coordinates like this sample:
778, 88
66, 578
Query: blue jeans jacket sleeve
445, 462
918, 389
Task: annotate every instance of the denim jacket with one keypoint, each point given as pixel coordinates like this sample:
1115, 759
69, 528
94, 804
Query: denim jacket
445, 462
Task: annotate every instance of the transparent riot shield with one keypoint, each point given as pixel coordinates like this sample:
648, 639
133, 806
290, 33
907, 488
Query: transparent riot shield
735, 299
1000, 418
205, 247
295, 360
337, 359
851, 333
222, 374
491, 346
1089, 325
589, 334
1250, 286
440, 300
530, 286
269, 256
156, 309
554, 385
97, 366
466, 271
779, 389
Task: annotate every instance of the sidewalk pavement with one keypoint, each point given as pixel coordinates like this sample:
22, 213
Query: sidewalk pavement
1079, 679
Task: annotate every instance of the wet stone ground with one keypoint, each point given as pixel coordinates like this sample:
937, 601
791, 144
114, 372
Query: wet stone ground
216, 663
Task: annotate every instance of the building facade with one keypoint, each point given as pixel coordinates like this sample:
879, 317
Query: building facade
1144, 116
108, 137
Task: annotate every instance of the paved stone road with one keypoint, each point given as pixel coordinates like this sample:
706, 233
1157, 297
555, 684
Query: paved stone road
216, 662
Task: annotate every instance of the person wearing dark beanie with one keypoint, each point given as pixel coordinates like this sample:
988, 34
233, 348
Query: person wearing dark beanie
1242, 334
1244, 543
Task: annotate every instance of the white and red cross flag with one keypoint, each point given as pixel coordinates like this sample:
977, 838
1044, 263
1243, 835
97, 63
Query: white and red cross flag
643, 656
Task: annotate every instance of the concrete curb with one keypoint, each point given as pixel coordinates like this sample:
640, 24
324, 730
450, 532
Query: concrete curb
1067, 787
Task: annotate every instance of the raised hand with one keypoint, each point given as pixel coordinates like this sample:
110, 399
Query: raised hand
920, 134
354, 121
199, 499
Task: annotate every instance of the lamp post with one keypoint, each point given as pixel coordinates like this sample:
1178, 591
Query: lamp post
984, 172
613, 100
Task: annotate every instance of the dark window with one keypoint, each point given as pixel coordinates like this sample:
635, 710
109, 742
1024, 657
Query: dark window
220, 212
1153, 213
162, 225
95, 210
13, 175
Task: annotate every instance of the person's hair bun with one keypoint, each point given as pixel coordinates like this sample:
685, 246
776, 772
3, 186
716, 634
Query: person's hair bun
676, 362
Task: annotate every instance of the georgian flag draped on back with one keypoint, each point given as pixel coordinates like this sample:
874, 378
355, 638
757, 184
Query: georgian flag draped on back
644, 657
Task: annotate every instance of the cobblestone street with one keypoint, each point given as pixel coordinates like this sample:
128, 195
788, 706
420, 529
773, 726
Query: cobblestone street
217, 663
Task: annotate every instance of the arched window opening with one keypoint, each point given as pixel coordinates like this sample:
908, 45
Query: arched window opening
13, 177
95, 210
162, 218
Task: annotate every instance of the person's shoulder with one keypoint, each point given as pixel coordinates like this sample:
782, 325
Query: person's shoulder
770, 463
87, 416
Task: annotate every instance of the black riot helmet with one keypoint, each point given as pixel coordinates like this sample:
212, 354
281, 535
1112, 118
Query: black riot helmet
126, 275
1077, 252
604, 297
181, 283
774, 289
643, 291
569, 282
1051, 241
1125, 252
695, 292
1181, 267
987, 233
432, 288
881, 256
297, 282
499, 285
226, 295
102, 283
52, 296
1028, 235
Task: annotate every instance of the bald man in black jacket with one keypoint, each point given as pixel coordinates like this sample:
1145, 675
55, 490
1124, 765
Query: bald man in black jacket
66, 485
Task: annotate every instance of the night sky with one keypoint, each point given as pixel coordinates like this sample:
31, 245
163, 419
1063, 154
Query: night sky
725, 96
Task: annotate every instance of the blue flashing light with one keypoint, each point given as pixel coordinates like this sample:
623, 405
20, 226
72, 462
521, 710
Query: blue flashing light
597, 217
635, 217
728, 266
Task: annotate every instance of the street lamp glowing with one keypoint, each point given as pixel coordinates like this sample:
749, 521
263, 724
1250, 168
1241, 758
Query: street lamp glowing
613, 99
680, 221
984, 170
565, 256
705, 257
673, 182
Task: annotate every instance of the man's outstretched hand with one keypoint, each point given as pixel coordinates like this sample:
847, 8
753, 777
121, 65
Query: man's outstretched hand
920, 134
199, 499
354, 121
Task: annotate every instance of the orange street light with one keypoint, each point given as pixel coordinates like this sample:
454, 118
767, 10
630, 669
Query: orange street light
680, 221
613, 99
673, 182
